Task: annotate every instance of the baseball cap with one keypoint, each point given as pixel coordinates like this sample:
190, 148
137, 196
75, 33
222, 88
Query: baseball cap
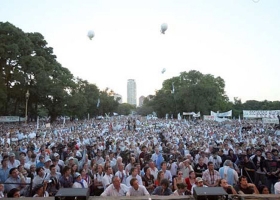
12, 155
76, 175
198, 179
71, 158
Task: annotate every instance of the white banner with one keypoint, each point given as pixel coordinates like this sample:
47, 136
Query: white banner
208, 118
270, 120
192, 114
11, 119
224, 114
261, 113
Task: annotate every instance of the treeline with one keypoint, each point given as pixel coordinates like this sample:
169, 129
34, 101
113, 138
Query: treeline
196, 92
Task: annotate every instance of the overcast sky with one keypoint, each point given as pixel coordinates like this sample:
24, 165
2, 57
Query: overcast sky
238, 40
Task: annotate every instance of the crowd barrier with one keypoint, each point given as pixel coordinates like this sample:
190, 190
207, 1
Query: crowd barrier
241, 197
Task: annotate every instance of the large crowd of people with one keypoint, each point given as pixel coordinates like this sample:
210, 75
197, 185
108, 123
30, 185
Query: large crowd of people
133, 156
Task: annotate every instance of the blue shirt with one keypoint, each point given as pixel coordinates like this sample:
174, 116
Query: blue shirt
4, 174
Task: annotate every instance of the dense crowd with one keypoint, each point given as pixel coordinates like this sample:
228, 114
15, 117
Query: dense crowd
134, 156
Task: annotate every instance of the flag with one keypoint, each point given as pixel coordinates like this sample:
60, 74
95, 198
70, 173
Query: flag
98, 102
63, 121
173, 89
37, 122
239, 120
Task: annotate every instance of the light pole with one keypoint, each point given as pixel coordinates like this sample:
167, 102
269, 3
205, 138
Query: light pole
26, 104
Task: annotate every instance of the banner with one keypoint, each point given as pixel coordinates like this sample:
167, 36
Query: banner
270, 120
224, 114
208, 118
261, 113
192, 114
11, 119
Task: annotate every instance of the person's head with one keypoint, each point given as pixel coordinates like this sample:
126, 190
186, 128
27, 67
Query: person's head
66, 171
5, 161
77, 177
42, 158
52, 168
47, 162
160, 175
164, 183
14, 193
181, 188
134, 171
109, 170
228, 163
74, 168
263, 189
192, 174
134, 183
14, 172
163, 165
12, 156
144, 149
199, 182
258, 152
243, 181
223, 183
151, 164
99, 168
179, 174
40, 171
210, 165
147, 170
1, 187
116, 182
268, 155
39, 190
201, 161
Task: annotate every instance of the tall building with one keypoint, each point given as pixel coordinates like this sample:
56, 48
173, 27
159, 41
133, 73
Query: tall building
141, 101
118, 96
131, 91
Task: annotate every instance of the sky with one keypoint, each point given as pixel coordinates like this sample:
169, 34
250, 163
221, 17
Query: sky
238, 40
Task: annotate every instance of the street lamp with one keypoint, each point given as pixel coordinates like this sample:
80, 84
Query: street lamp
26, 104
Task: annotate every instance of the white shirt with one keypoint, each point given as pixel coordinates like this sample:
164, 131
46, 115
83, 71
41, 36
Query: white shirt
139, 179
122, 176
154, 172
111, 191
79, 185
107, 180
16, 163
141, 191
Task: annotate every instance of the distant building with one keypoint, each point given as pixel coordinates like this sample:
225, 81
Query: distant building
131, 91
118, 96
141, 101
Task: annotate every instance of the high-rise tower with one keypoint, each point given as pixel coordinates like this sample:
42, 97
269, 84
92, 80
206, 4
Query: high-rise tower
131, 91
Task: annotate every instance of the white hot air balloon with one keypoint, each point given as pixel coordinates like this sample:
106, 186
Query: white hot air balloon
90, 34
163, 70
163, 27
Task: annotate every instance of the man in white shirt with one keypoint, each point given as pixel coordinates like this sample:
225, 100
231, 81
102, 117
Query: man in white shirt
134, 174
12, 161
121, 173
154, 170
107, 178
115, 189
166, 172
136, 189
